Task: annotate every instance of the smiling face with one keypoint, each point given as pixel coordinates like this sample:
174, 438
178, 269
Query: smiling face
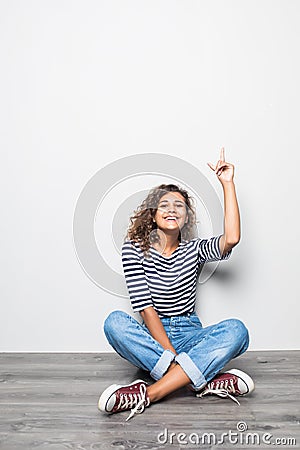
171, 214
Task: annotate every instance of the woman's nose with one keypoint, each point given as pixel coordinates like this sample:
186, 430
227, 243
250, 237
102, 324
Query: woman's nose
171, 209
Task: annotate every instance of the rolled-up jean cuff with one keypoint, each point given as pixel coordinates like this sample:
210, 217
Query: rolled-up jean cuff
192, 371
162, 364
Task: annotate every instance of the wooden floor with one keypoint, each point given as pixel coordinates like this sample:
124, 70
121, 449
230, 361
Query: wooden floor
49, 401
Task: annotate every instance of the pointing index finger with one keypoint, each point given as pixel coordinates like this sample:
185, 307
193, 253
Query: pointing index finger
222, 154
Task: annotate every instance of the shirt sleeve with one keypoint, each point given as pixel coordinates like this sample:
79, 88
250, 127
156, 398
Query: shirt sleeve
137, 286
209, 250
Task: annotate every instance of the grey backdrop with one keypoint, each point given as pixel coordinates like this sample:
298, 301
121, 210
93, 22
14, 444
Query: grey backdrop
83, 84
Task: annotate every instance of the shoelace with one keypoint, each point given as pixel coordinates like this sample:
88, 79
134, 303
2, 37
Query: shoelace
135, 401
221, 388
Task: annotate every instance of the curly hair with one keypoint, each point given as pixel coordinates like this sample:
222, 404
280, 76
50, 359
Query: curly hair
142, 228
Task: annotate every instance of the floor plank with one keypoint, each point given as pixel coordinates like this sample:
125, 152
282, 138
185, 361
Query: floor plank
49, 401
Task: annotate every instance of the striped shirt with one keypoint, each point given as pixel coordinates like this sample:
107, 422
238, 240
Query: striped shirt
168, 284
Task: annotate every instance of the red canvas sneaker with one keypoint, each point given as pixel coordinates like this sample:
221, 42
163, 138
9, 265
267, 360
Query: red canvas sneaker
131, 396
229, 384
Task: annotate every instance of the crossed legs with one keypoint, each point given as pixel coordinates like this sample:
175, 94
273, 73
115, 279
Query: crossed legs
206, 353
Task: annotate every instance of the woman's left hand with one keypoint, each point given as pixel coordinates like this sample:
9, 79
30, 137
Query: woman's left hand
223, 169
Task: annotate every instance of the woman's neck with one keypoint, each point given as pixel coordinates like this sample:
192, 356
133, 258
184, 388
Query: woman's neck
171, 243
168, 243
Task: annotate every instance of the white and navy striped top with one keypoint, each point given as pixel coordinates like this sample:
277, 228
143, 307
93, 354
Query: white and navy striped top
167, 283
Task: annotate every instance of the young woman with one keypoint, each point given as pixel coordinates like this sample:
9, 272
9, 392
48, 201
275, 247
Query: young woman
161, 262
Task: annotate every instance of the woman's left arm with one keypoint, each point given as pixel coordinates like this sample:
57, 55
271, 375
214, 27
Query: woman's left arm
232, 227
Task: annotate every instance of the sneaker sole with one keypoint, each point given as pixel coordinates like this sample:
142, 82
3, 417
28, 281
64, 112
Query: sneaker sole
105, 396
244, 377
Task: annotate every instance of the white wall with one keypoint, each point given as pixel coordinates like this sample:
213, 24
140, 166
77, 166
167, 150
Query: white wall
83, 84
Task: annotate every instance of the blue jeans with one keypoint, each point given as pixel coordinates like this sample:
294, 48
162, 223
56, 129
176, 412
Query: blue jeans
202, 352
